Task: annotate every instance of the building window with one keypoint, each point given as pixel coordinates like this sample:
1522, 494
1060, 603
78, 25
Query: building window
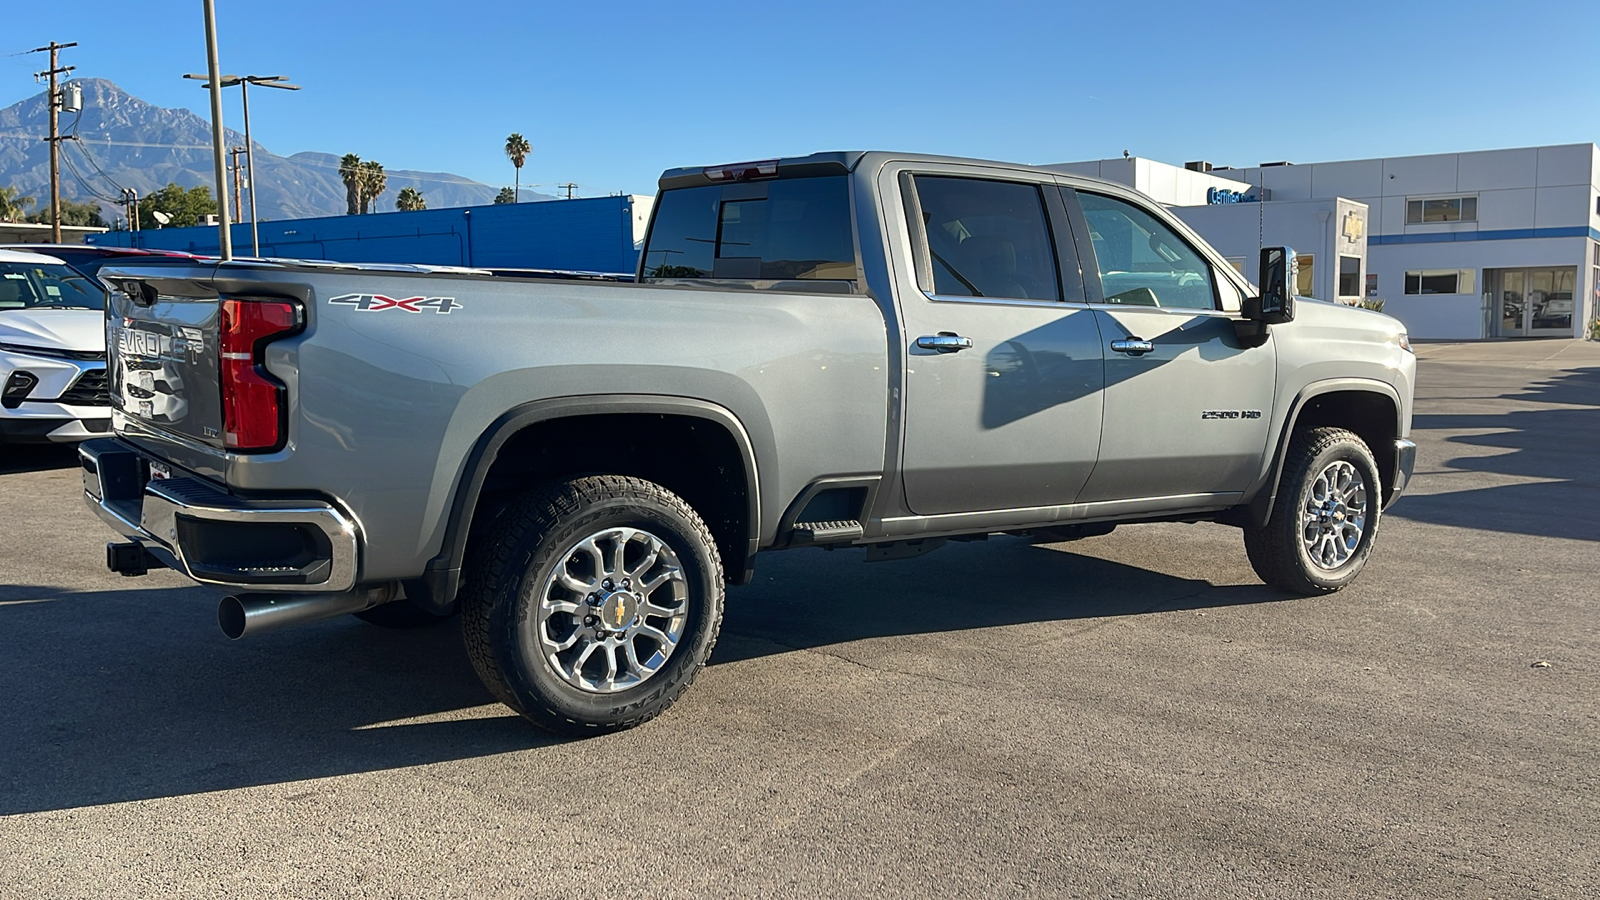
1350, 276
1304, 284
1238, 262
1440, 281
1441, 209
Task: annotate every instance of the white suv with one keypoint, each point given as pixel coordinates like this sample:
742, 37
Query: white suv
52, 351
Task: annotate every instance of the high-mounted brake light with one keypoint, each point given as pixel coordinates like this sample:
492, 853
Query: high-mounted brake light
745, 171
253, 402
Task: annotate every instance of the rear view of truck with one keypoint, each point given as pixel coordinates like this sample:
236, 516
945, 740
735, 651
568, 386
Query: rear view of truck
189, 381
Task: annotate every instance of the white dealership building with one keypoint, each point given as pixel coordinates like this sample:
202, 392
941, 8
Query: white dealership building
1459, 246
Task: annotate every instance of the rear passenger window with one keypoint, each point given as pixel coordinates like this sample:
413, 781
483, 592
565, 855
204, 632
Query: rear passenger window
1143, 262
794, 229
987, 239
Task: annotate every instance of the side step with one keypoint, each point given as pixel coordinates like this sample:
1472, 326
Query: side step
806, 534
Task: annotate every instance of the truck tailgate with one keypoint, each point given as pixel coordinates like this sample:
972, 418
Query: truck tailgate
162, 350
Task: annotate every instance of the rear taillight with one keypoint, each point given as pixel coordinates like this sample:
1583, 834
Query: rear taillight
253, 402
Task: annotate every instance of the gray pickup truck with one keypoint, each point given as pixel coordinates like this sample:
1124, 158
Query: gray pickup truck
875, 350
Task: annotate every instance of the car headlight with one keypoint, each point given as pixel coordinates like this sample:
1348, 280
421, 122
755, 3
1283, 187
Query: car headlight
1405, 342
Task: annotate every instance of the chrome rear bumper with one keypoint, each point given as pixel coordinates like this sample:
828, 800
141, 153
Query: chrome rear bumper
214, 537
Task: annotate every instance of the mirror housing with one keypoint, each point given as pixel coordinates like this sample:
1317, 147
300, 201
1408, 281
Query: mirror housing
1278, 274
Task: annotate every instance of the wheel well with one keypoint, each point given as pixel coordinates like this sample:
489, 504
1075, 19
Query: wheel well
695, 458
1371, 415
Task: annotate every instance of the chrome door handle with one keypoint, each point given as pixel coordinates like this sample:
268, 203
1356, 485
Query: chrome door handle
1133, 346
944, 342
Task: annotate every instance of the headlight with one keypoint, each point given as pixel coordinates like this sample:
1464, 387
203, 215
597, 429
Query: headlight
1405, 342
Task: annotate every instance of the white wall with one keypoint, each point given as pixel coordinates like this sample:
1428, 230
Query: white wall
1310, 227
1166, 184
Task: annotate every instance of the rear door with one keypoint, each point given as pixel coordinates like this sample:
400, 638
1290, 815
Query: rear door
1004, 369
1187, 403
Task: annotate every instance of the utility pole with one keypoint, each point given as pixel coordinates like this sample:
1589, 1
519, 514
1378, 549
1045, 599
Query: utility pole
53, 100
238, 203
224, 232
570, 188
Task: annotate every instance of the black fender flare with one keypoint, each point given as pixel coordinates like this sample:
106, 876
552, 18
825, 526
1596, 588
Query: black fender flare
437, 587
1266, 494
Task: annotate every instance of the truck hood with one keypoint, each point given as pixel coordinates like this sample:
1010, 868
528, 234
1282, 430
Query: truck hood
54, 329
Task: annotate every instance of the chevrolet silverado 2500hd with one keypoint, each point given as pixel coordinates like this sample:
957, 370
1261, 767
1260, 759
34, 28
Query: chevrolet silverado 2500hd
844, 349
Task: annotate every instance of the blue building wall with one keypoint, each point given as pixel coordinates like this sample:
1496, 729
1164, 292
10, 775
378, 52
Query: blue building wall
594, 234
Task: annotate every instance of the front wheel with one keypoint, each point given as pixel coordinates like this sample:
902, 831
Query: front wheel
591, 604
1325, 517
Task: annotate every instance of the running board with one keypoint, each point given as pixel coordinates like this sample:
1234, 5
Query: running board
807, 534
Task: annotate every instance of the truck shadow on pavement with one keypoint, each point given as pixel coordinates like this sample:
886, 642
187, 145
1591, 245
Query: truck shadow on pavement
1560, 444
18, 458
131, 695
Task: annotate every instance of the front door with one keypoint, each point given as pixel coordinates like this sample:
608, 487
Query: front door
1004, 374
1187, 403
1536, 302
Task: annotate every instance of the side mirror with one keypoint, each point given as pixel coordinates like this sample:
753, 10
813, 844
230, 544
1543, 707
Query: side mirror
1279, 272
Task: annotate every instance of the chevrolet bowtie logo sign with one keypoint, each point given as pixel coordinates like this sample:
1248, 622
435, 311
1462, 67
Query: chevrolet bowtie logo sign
1354, 226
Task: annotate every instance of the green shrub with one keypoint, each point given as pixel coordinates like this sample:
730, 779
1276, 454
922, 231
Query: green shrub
1373, 303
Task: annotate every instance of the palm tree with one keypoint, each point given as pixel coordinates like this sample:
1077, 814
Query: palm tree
350, 172
13, 205
410, 200
517, 149
372, 182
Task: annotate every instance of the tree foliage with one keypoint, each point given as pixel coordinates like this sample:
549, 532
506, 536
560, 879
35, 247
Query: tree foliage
364, 183
87, 214
186, 206
506, 195
350, 174
13, 205
410, 200
517, 150
372, 183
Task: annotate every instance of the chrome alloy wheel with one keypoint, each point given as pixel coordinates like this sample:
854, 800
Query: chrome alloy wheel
1335, 515
612, 612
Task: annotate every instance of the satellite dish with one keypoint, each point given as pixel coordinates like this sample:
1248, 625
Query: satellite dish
160, 216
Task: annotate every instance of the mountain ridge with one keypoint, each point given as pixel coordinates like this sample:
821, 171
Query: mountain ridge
124, 141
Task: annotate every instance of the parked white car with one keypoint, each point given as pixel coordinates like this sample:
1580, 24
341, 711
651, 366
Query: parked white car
52, 351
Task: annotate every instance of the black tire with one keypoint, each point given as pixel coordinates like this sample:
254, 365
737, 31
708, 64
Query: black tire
508, 568
1278, 550
403, 614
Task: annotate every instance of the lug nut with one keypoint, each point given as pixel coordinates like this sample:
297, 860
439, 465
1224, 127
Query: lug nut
607, 584
627, 582
594, 599
638, 619
590, 621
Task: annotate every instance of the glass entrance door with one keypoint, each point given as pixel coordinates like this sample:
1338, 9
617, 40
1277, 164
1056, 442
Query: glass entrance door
1512, 308
1550, 295
1536, 302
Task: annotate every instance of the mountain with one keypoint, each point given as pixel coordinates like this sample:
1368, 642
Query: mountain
126, 142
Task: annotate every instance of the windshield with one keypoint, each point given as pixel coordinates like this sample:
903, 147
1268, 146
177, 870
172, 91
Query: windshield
47, 286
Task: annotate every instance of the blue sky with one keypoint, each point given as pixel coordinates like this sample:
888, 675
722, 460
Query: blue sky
610, 94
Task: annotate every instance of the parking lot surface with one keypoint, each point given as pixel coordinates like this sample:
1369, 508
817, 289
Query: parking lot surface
1127, 716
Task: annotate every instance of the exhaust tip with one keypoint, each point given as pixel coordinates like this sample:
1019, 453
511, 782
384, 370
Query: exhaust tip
231, 616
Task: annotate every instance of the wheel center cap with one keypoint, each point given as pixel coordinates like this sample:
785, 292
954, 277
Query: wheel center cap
617, 610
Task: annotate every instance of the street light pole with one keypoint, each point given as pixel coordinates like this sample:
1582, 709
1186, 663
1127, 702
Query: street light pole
244, 82
224, 233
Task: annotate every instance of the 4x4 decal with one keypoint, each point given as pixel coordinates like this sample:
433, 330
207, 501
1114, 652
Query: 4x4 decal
378, 303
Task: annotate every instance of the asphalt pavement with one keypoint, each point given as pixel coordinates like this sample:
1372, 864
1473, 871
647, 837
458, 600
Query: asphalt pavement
1134, 715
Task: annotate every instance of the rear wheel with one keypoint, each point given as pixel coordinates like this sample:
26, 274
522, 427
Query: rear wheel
1325, 517
590, 605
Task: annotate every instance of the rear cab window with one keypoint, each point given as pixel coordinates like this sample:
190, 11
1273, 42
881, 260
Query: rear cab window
783, 234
